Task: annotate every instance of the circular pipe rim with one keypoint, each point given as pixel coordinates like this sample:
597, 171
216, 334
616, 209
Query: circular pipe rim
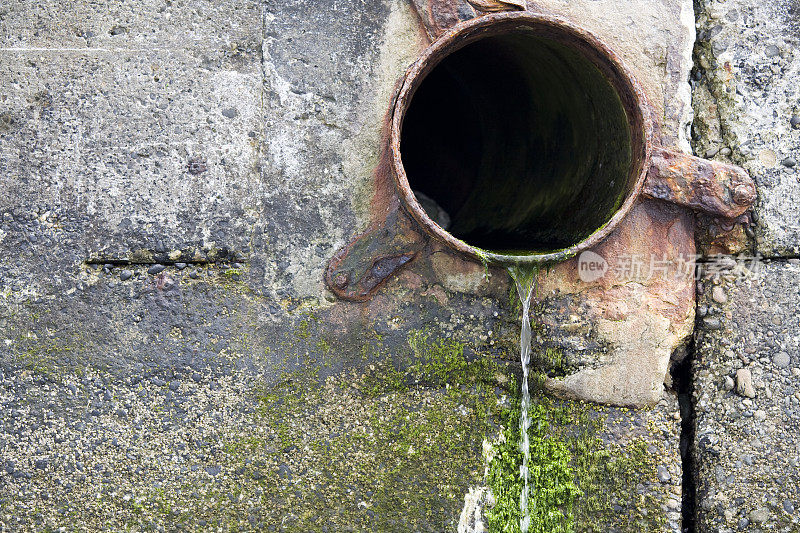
473, 30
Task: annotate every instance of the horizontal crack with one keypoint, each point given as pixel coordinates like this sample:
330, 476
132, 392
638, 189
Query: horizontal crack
128, 262
757, 257
779, 258
188, 256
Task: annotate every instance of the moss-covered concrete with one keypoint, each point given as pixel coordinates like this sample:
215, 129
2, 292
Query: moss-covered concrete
395, 446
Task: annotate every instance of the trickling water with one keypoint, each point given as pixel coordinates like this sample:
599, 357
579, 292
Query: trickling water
525, 279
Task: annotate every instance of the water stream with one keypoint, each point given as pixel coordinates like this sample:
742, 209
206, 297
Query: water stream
525, 279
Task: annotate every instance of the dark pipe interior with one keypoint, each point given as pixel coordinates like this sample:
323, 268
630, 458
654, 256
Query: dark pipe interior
522, 141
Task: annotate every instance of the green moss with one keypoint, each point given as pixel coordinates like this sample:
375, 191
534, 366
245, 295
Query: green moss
304, 328
579, 482
608, 476
431, 362
323, 346
232, 273
552, 490
376, 454
607, 473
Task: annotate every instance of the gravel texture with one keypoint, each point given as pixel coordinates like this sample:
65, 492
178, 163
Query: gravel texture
747, 440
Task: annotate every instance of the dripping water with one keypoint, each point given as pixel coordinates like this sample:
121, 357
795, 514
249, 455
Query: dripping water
525, 280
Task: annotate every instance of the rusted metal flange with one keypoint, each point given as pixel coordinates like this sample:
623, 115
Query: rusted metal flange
362, 267
714, 188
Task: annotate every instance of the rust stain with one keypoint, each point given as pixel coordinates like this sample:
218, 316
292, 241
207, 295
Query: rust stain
498, 6
438, 16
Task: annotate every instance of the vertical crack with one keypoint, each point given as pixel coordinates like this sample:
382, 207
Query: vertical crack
682, 381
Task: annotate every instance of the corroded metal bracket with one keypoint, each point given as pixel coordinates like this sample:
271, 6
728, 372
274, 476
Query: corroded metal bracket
438, 16
714, 188
362, 267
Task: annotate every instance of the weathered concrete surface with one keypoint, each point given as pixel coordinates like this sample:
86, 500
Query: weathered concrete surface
619, 331
745, 99
747, 443
222, 452
247, 133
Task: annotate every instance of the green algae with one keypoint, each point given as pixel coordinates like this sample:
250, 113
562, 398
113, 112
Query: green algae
553, 492
400, 458
580, 482
433, 363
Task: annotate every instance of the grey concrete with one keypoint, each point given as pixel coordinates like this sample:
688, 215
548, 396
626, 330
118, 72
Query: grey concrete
240, 138
747, 440
746, 368
745, 97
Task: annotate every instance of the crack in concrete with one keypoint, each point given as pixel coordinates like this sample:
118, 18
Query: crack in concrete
682, 380
129, 262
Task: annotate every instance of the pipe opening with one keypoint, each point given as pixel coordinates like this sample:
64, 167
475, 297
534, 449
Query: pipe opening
523, 138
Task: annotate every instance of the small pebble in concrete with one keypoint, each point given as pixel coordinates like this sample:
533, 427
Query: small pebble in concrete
729, 384
781, 359
155, 269
718, 295
125, 274
789, 162
196, 166
673, 504
744, 383
759, 516
795, 121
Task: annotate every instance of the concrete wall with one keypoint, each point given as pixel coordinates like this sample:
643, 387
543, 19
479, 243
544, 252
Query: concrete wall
233, 144
746, 367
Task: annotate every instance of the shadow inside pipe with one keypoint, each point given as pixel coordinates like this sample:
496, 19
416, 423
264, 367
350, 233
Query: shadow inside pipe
522, 141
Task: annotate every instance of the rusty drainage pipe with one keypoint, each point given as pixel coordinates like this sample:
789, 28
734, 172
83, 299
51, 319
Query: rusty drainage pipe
536, 140
528, 131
